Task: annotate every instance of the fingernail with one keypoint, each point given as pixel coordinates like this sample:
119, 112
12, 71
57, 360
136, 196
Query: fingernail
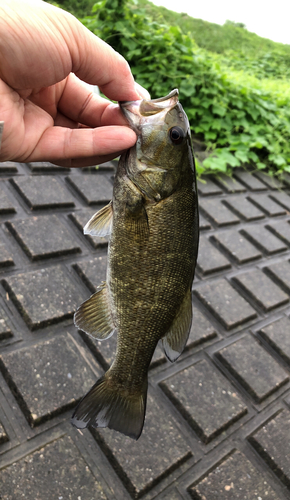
143, 93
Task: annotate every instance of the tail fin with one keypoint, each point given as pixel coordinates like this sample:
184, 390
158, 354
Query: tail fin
106, 405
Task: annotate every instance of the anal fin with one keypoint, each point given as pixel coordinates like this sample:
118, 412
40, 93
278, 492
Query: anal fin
94, 315
176, 337
101, 223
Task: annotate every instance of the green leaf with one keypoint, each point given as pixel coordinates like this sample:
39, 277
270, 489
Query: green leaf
219, 110
260, 165
210, 136
279, 160
242, 156
215, 164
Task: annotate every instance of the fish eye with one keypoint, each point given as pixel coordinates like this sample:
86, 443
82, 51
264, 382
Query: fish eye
176, 135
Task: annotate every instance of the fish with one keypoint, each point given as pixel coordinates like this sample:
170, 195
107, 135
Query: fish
152, 223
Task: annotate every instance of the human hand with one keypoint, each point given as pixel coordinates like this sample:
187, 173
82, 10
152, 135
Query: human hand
49, 112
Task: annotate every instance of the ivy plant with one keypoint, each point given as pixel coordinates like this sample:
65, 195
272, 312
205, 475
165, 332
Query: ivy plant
240, 123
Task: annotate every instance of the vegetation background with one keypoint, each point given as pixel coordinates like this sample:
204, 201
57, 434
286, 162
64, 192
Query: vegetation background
233, 84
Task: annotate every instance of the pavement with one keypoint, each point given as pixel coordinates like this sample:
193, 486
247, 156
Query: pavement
218, 420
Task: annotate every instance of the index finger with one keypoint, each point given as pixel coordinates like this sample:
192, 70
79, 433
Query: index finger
95, 62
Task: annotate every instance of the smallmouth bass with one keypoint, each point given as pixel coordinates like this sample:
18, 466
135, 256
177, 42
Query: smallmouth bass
153, 226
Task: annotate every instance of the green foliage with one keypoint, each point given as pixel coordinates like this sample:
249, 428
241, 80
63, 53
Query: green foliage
241, 120
233, 23
268, 65
79, 8
241, 49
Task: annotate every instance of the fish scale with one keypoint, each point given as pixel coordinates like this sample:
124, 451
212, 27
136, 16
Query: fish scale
153, 227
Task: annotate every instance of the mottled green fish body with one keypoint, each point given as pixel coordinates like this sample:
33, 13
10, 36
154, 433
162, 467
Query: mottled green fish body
153, 226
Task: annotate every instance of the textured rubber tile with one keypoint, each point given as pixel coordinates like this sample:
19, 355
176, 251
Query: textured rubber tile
55, 471
207, 187
44, 296
215, 405
269, 180
188, 438
3, 437
229, 184
282, 199
93, 271
272, 443
242, 207
210, 260
43, 237
108, 166
46, 167
5, 330
143, 463
6, 258
253, 367
94, 189
266, 204
235, 479
277, 334
286, 178
172, 495
249, 180
280, 273
280, 229
6, 205
261, 289
43, 192
236, 246
217, 212
8, 167
201, 329
203, 223
47, 378
263, 239
224, 302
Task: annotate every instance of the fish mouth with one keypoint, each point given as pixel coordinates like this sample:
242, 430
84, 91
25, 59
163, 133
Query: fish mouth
135, 111
171, 94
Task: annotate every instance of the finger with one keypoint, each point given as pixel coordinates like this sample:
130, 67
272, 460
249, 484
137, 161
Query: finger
62, 144
87, 162
54, 44
95, 62
63, 121
143, 93
35, 53
88, 108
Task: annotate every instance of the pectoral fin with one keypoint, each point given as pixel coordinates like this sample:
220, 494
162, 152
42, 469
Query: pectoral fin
101, 223
176, 338
94, 316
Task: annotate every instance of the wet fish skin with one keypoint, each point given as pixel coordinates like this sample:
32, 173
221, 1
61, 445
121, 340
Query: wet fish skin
153, 226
